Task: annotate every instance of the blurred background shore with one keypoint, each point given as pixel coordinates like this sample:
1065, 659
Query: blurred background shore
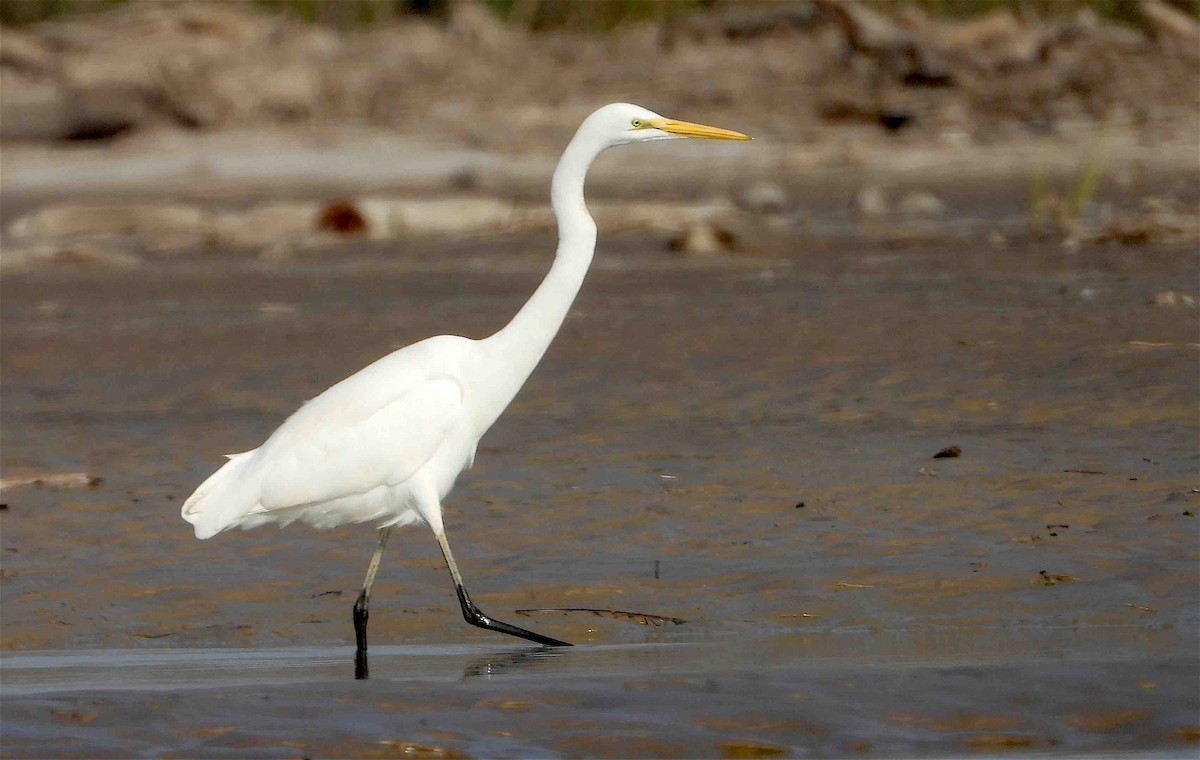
291, 126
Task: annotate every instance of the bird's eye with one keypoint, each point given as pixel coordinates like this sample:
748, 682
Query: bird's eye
637, 123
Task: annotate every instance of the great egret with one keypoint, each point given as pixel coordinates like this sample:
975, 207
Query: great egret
388, 442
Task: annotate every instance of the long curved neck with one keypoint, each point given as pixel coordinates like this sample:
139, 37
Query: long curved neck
513, 352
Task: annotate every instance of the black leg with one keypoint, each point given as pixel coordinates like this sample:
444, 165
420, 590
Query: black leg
361, 613
361, 670
475, 616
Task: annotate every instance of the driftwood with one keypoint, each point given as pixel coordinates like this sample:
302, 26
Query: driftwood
896, 50
25, 53
736, 23
996, 41
916, 50
1172, 24
640, 618
52, 480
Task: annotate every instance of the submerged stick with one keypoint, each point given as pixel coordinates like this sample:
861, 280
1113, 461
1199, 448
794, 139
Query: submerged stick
641, 618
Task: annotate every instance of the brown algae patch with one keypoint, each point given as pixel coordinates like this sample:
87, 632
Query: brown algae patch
1107, 722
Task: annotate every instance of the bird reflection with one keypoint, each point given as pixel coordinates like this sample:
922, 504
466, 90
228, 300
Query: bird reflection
507, 662
482, 667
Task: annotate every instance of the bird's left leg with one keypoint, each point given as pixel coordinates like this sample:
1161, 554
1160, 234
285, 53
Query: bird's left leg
473, 614
364, 598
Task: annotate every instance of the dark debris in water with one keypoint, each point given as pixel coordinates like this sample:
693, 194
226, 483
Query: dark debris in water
987, 742
1141, 608
950, 452
750, 749
412, 749
641, 618
1053, 579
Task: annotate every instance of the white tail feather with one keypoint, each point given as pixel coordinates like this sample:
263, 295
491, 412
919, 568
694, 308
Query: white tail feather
223, 499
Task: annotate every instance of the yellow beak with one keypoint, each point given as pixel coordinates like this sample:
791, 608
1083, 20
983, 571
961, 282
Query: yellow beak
688, 129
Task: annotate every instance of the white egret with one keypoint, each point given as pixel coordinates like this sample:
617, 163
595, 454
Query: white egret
387, 443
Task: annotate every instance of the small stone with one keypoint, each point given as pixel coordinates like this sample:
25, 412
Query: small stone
894, 121
343, 218
871, 201
702, 238
1173, 299
921, 204
762, 197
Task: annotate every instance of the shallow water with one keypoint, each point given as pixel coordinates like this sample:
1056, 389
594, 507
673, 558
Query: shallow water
744, 444
656, 700
196, 667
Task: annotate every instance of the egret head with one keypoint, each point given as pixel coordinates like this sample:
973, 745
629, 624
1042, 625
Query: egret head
622, 123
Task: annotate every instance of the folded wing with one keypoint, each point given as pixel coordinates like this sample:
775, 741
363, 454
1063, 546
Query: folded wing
378, 427
386, 448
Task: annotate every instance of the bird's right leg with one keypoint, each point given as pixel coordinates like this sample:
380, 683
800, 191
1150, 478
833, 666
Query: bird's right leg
361, 611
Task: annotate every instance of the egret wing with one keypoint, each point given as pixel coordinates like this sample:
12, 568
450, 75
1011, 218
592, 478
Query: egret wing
310, 464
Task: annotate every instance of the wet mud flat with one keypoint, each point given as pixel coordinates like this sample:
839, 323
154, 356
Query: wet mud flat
742, 443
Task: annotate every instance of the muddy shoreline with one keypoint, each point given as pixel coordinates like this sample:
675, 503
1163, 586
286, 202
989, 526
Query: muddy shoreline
759, 429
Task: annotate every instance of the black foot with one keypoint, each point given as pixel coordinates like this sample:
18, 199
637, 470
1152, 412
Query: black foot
360, 622
475, 617
361, 671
